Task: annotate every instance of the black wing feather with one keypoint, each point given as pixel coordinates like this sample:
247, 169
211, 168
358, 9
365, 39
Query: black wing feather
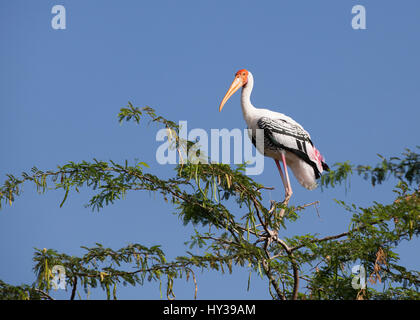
282, 135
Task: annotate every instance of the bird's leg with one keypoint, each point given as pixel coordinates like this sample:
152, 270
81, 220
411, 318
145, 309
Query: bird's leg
281, 175
289, 191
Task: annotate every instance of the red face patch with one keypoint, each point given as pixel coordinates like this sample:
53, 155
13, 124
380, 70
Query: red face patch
243, 74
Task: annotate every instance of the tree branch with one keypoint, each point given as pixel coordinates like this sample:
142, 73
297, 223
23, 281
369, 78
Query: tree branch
73, 291
46, 295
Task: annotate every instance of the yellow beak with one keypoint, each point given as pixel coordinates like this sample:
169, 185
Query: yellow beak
236, 84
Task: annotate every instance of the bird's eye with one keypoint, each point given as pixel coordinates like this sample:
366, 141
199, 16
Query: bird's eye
243, 73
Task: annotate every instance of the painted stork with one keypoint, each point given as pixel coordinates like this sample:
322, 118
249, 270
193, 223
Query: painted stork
285, 140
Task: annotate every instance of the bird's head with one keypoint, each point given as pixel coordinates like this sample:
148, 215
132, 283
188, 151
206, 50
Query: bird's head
241, 79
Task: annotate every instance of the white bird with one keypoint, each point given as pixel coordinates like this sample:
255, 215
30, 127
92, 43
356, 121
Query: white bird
284, 140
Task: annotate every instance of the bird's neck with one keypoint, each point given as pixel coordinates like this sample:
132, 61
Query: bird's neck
248, 109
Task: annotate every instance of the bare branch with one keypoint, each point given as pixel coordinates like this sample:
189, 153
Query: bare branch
73, 291
46, 295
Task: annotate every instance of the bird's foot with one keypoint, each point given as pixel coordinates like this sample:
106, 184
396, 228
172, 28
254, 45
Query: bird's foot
287, 196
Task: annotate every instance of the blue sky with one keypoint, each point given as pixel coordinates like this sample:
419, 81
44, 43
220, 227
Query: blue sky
356, 92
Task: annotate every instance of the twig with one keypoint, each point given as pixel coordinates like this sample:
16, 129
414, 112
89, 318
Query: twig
46, 295
337, 236
265, 188
307, 205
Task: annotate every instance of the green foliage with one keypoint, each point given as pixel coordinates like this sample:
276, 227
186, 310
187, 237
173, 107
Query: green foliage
239, 229
23, 292
106, 268
406, 168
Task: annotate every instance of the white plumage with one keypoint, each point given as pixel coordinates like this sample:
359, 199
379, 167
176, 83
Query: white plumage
284, 139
